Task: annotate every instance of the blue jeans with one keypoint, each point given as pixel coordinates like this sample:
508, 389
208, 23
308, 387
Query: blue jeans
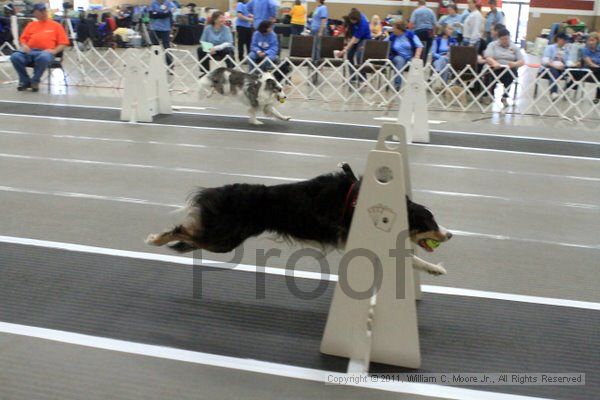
399, 63
265, 66
439, 66
316, 50
40, 59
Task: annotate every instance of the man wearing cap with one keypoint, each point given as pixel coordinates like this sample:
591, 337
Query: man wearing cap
40, 42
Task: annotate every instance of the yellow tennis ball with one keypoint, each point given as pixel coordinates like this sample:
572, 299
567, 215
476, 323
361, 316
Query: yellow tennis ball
434, 244
282, 101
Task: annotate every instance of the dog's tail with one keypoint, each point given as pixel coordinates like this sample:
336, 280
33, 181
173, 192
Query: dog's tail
183, 247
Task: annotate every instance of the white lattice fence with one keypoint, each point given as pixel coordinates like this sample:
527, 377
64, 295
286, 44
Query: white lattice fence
372, 84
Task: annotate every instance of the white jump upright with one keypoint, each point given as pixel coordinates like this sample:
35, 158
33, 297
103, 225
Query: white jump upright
413, 113
14, 30
369, 323
146, 92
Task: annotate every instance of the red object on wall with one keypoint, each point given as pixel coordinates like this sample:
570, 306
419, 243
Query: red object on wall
566, 4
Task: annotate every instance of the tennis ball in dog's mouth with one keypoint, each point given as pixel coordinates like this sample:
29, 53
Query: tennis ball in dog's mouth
434, 244
282, 100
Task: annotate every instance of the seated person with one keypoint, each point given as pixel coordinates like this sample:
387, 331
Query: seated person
555, 60
40, 42
440, 51
264, 46
591, 59
219, 35
405, 46
503, 58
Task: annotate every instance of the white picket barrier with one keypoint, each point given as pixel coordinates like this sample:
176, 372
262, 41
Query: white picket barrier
413, 113
373, 315
146, 92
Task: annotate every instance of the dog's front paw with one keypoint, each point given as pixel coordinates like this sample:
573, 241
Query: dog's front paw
436, 270
151, 239
286, 118
256, 122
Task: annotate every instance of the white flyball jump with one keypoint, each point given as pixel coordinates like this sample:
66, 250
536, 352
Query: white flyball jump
146, 91
369, 323
413, 113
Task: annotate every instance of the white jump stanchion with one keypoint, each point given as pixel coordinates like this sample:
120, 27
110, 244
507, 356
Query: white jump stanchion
14, 29
413, 113
399, 132
146, 93
369, 323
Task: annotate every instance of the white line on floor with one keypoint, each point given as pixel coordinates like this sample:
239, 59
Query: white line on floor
158, 143
302, 154
176, 109
302, 135
249, 365
228, 130
144, 166
442, 146
507, 171
390, 119
510, 199
86, 196
189, 261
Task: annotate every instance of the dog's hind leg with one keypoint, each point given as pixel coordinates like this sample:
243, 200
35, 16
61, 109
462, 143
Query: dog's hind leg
252, 115
422, 265
270, 110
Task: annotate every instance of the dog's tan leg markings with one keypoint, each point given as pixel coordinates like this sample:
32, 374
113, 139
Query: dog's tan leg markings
433, 269
179, 233
275, 112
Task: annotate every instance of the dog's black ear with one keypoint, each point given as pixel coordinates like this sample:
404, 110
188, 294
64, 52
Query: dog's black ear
348, 171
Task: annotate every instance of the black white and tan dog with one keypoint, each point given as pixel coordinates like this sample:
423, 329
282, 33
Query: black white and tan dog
318, 210
258, 92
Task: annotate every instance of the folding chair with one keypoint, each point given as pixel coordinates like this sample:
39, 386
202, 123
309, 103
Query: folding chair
56, 63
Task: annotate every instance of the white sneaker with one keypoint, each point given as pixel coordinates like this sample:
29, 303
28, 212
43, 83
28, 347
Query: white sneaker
554, 96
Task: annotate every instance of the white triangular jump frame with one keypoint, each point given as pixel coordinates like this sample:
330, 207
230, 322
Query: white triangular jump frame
146, 92
380, 326
413, 113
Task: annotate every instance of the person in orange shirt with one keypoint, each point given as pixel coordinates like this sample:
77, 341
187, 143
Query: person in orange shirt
298, 14
40, 42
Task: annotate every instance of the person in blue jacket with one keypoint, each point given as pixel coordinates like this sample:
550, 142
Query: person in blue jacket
440, 51
262, 10
405, 45
161, 14
264, 46
361, 32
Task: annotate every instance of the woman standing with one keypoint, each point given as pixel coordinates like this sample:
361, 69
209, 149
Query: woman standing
298, 14
473, 25
318, 28
217, 41
243, 26
361, 32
